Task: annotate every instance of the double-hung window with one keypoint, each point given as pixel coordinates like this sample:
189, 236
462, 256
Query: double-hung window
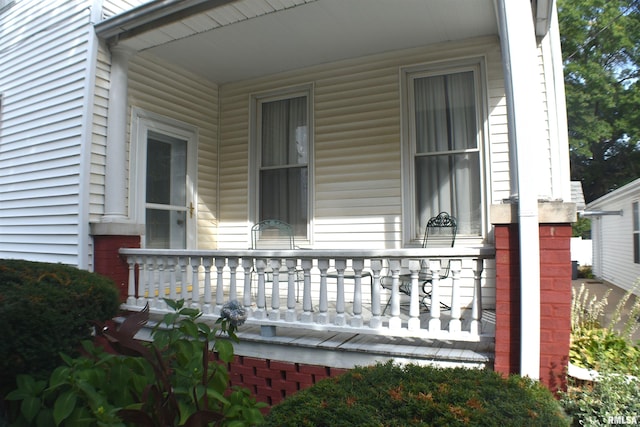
282, 142
444, 134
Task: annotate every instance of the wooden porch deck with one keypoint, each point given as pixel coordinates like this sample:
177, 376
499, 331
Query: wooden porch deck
346, 350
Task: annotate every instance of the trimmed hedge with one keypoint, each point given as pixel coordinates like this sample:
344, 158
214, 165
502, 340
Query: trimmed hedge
412, 395
46, 309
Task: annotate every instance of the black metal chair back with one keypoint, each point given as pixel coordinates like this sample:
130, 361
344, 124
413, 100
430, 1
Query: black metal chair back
440, 231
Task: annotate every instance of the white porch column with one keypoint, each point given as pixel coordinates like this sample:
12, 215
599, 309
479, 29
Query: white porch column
524, 107
115, 208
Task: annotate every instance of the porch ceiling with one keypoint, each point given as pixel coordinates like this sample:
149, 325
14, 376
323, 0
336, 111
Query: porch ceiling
252, 38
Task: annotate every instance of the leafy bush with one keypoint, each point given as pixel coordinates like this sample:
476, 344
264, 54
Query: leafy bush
169, 382
603, 401
595, 345
392, 395
46, 309
614, 394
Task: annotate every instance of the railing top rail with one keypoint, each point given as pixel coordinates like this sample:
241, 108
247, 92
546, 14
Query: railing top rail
457, 252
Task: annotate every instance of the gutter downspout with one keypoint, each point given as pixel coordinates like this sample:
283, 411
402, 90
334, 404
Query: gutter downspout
519, 50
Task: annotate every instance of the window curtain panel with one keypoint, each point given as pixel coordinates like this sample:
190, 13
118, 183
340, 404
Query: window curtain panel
447, 163
284, 157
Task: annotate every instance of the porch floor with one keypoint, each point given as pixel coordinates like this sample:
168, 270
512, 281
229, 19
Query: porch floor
347, 350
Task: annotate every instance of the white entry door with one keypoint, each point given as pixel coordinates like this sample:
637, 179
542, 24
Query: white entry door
166, 184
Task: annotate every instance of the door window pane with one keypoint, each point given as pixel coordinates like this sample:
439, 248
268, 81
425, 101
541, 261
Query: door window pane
166, 192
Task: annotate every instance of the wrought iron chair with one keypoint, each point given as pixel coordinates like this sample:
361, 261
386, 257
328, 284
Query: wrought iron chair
440, 232
275, 234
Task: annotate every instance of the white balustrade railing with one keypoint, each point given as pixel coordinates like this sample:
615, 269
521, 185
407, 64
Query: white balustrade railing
267, 284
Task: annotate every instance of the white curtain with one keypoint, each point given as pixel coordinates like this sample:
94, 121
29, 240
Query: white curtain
284, 157
447, 162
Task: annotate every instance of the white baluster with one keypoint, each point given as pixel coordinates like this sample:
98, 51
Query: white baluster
207, 262
182, 262
261, 303
247, 265
151, 281
434, 321
291, 315
376, 319
143, 289
395, 322
414, 304
307, 306
219, 262
357, 264
455, 324
341, 318
233, 267
195, 282
162, 284
171, 262
274, 314
476, 307
323, 315
131, 286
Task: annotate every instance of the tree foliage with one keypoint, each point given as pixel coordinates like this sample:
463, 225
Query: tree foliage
601, 50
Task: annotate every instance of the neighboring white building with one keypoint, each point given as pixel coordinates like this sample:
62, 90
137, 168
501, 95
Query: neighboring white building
615, 232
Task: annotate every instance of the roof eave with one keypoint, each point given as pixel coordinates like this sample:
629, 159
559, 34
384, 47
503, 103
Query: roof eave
151, 15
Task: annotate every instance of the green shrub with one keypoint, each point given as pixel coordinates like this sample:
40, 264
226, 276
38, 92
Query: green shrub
612, 399
392, 395
46, 309
168, 382
600, 346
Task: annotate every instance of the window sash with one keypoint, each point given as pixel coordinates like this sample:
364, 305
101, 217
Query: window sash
283, 178
445, 131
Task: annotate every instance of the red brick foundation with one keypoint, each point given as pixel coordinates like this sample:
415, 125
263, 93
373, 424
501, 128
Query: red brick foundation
108, 262
555, 301
270, 381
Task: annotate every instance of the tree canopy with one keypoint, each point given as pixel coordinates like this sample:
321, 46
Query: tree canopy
601, 51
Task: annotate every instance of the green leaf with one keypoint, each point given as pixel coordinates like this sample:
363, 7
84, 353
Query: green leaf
17, 395
190, 312
27, 384
204, 328
189, 328
30, 407
225, 350
174, 305
59, 376
64, 405
213, 394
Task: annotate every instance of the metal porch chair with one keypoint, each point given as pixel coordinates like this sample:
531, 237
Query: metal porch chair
440, 232
275, 234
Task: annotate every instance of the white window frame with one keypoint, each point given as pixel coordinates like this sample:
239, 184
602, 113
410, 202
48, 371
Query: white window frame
411, 236
255, 155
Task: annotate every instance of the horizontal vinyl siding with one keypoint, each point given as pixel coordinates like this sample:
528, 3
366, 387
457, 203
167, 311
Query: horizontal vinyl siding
613, 238
165, 89
357, 187
43, 69
114, 7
